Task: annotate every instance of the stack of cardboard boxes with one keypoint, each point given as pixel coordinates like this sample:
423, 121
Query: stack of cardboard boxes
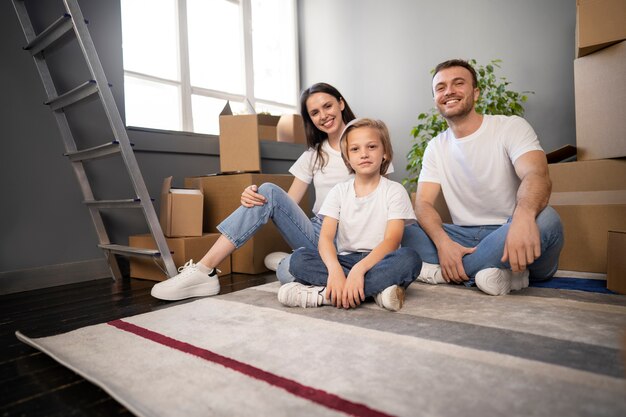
181, 222
240, 166
189, 216
590, 194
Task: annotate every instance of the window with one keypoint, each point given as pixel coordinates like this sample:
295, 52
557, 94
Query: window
184, 59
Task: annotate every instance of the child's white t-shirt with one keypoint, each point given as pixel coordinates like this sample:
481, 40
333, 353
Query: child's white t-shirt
363, 220
306, 169
476, 172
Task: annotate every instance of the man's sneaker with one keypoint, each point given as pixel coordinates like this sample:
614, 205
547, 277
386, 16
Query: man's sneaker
431, 274
273, 259
190, 282
391, 298
294, 294
496, 281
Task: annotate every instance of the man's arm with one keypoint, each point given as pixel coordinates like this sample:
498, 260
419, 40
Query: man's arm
450, 253
523, 245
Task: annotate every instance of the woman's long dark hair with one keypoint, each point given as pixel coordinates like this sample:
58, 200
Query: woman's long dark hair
314, 136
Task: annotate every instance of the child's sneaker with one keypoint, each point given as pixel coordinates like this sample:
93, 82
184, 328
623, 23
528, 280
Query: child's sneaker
294, 294
193, 280
272, 260
391, 298
496, 281
431, 274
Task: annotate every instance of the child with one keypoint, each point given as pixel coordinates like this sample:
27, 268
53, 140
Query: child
367, 215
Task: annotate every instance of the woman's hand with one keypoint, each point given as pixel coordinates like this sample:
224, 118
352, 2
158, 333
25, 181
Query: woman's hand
250, 197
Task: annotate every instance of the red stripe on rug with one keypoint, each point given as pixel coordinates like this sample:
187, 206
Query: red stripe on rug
312, 394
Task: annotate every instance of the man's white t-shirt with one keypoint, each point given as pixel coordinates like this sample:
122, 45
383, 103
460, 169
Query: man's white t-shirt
476, 172
363, 220
307, 169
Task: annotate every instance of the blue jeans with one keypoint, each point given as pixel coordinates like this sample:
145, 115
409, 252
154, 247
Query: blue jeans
292, 223
396, 268
489, 241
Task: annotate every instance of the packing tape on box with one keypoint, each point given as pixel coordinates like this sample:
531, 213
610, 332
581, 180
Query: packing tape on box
588, 198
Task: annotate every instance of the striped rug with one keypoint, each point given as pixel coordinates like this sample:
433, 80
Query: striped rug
451, 351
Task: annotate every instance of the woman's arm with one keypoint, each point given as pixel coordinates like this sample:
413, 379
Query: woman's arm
250, 197
328, 253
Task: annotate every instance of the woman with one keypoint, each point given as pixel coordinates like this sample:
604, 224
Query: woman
325, 113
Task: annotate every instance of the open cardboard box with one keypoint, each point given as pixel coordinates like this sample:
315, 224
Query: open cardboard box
181, 210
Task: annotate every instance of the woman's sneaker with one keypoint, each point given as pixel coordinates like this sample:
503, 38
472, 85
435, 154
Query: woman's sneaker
431, 274
497, 281
193, 280
294, 294
272, 260
391, 298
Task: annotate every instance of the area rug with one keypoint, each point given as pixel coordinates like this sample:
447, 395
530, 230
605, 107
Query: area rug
451, 351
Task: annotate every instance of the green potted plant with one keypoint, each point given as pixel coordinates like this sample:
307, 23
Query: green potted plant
495, 98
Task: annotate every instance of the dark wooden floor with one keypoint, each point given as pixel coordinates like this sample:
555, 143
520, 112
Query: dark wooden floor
32, 384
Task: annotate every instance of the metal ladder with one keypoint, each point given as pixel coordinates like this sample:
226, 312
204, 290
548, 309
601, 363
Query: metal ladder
37, 44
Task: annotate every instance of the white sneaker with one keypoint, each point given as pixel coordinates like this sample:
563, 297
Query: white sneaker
496, 281
391, 298
431, 274
273, 259
190, 282
294, 294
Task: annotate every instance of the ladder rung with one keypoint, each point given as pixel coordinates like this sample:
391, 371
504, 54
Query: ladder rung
50, 35
130, 251
112, 204
100, 151
74, 95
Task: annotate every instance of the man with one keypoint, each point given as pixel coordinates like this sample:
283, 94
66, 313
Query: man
494, 177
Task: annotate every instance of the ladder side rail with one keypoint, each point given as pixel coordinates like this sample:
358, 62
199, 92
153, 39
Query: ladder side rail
119, 131
67, 137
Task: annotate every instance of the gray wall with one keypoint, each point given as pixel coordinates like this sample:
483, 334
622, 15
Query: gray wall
47, 236
380, 53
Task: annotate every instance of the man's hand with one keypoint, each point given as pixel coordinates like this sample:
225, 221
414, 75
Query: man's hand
522, 245
451, 261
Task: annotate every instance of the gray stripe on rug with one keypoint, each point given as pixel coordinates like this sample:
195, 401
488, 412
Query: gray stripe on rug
566, 353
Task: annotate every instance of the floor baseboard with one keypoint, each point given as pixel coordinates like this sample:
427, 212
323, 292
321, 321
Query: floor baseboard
53, 275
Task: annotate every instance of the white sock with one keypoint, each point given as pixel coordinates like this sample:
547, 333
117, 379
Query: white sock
204, 269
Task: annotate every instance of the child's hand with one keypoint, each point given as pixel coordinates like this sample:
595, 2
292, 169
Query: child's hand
353, 293
335, 287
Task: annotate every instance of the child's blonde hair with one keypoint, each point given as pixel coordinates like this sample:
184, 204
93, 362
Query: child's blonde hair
383, 133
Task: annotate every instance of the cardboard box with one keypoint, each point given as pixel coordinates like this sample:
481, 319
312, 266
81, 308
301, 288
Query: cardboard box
590, 197
181, 210
290, 129
599, 23
240, 150
222, 195
616, 261
600, 107
182, 249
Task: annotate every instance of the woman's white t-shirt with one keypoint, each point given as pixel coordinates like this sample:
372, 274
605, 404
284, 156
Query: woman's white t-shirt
476, 172
363, 220
307, 169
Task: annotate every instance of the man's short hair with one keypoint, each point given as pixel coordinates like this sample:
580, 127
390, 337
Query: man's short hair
458, 63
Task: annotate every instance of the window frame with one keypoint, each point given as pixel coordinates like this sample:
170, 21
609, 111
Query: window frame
186, 90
